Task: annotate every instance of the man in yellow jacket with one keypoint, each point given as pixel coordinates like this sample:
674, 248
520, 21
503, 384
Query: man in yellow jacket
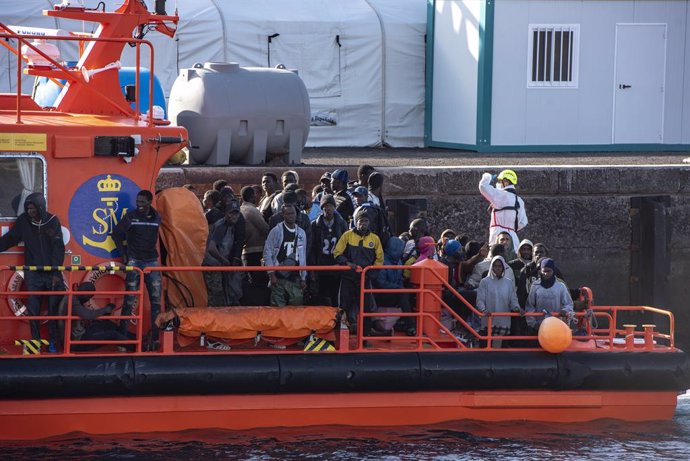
358, 247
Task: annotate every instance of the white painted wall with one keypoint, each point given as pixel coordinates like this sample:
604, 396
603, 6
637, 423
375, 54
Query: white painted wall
584, 115
456, 55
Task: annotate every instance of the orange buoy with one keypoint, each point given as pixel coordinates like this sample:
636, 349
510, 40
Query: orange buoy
554, 335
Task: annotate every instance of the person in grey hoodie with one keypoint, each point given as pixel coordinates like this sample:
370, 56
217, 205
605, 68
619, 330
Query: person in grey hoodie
41, 233
548, 295
496, 293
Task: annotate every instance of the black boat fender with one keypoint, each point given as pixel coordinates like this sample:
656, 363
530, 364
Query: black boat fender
154, 374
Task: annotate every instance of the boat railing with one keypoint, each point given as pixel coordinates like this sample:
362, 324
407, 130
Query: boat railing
607, 338
629, 331
431, 333
434, 331
70, 290
57, 71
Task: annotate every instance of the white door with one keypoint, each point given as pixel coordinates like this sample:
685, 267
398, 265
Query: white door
638, 111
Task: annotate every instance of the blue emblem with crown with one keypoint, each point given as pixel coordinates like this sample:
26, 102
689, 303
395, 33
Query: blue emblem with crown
96, 208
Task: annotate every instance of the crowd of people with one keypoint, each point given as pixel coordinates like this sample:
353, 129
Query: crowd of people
340, 225
343, 225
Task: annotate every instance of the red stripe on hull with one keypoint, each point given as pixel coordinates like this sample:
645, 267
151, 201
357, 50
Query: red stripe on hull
36, 419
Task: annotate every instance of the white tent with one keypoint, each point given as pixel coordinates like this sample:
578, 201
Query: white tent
361, 60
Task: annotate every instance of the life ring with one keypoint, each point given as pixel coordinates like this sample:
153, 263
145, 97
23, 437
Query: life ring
18, 305
95, 275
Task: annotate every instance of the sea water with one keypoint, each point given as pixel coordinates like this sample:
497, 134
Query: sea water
462, 440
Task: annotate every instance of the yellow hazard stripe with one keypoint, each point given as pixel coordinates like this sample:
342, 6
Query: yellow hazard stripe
74, 268
31, 345
319, 345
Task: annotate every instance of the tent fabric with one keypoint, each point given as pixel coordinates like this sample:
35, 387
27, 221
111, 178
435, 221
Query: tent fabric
183, 231
247, 322
362, 61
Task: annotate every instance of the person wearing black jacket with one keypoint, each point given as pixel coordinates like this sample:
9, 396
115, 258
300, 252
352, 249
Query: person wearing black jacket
343, 200
41, 233
139, 228
224, 248
326, 230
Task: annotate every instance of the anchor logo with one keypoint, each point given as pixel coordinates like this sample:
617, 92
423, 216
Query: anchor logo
96, 208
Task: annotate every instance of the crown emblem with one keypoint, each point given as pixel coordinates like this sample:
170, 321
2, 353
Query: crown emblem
109, 185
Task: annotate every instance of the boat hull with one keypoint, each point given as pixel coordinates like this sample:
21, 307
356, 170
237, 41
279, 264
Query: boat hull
160, 393
41, 418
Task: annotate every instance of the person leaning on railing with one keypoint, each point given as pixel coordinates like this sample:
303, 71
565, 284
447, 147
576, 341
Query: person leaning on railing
41, 233
358, 247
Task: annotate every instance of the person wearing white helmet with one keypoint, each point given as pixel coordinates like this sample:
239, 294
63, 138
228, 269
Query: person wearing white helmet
507, 209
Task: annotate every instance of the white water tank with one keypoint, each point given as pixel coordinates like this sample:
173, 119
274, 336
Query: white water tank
240, 115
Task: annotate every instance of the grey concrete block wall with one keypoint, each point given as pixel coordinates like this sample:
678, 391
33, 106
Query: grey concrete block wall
583, 214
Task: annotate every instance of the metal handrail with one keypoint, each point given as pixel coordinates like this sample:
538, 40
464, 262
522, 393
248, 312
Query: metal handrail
68, 74
70, 292
423, 343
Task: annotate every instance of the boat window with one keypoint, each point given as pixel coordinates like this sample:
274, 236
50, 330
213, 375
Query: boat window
20, 175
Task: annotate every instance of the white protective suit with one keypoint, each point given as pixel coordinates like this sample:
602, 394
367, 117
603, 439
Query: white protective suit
502, 218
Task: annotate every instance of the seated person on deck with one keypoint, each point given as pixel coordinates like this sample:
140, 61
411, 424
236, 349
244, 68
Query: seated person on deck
87, 327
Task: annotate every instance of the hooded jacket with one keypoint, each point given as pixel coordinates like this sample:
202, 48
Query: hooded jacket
362, 250
518, 263
553, 299
392, 254
43, 245
497, 295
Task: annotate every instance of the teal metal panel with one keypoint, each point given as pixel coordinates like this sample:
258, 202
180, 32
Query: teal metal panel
485, 77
